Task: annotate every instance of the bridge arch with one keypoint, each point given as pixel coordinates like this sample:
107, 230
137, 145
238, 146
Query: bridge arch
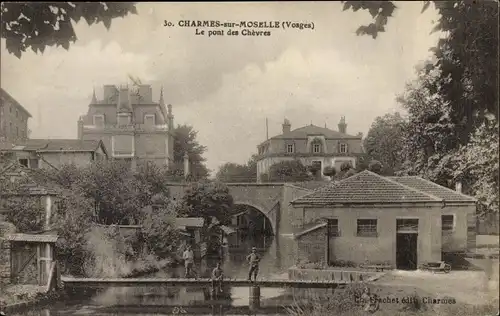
261, 209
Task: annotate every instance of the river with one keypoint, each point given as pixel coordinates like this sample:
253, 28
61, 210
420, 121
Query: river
184, 300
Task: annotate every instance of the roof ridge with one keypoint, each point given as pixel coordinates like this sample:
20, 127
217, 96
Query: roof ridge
443, 187
409, 188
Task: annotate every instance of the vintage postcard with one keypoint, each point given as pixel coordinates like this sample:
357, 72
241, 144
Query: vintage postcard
249, 158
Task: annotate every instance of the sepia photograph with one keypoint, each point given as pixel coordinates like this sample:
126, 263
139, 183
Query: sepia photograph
281, 158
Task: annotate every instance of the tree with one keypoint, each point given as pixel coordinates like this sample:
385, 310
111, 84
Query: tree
478, 162
330, 172
185, 141
159, 233
232, 172
431, 136
208, 199
375, 166
289, 171
385, 140
37, 25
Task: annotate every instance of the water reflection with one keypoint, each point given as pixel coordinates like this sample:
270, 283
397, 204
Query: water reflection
162, 300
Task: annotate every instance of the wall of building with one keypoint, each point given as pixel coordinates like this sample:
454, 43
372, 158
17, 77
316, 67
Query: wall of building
456, 240
57, 159
383, 247
291, 221
312, 246
13, 120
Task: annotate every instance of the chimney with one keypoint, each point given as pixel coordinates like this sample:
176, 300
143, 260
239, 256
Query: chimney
458, 186
80, 128
342, 125
186, 165
286, 126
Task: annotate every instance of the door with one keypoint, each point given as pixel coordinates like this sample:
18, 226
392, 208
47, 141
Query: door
406, 251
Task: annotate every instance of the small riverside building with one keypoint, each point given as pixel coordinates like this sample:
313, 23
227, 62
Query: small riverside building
190, 228
402, 221
32, 258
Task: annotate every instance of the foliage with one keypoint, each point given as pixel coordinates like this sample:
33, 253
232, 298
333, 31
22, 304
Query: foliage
478, 160
431, 137
37, 25
345, 166
379, 10
159, 232
375, 166
27, 213
467, 55
288, 171
385, 140
208, 199
185, 141
329, 172
232, 172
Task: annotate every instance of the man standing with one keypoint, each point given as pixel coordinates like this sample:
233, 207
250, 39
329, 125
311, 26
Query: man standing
188, 257
253, 259
217, 277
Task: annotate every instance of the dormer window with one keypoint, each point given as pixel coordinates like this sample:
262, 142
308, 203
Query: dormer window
149, 120
289, 148
343, 148
98, 120
316, 148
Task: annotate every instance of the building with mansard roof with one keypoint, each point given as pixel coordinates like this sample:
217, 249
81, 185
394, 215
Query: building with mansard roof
312, 145
131, 125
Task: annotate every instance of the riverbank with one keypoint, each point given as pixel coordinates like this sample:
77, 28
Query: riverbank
17, 298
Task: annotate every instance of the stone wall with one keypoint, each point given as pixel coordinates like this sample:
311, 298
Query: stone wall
5, 229
312, 246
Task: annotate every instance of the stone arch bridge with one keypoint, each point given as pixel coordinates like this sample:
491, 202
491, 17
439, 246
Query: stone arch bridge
271, 199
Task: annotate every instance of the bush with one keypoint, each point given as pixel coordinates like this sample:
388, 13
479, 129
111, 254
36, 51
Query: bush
345, 166
375, 166
329, 172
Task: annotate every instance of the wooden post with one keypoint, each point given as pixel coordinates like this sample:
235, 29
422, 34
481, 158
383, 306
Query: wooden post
254, 299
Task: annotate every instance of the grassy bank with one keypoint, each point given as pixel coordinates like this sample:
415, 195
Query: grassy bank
393, 301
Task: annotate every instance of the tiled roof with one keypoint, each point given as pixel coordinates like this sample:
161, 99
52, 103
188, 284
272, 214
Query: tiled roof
189, 222
432, 188
32, 238
303, 132
227, 229
365, 187
47, 145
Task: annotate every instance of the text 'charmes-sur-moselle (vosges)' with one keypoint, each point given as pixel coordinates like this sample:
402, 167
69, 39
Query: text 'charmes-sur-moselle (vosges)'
212, 28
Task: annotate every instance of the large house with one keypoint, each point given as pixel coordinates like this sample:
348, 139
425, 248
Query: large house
312, 145
403, 221
53, 153
131, 125
13, 119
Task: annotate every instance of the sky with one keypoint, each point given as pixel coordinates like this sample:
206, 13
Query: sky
226, 86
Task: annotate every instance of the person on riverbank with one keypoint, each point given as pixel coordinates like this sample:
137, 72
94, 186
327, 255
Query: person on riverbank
188, 257
217, 277
253, 259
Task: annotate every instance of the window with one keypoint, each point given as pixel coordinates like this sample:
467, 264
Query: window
367, 227
17, 113
343, 148
17, 131
289, 148
316, 148
24, 162
333, 227
407, 225
123, 145
98, 120
447, 222
123, 119
149, 119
